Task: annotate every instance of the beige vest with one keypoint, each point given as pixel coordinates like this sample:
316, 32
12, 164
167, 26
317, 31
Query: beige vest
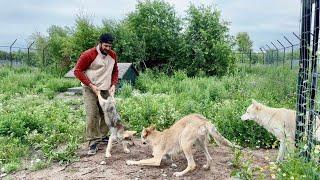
100, 70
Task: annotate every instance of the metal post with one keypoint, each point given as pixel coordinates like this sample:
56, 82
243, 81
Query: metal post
29, 51
296, 35
11, 52
250, 58
303, 74
284, 51
266, 56
242, 57
277, 52
262, 55
43, 55
271, 53
314, 74
291, 49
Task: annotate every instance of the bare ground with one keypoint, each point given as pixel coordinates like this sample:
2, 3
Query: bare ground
90, 167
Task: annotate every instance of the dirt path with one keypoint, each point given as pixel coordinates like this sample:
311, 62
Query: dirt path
90, 167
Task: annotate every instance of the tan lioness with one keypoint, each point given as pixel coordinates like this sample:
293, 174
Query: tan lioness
182, 135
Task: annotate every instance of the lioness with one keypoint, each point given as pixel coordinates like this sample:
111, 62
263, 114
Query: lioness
182, 135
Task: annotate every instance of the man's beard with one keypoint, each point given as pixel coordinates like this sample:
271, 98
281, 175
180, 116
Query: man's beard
104, 52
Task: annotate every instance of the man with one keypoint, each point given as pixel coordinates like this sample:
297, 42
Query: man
97, 70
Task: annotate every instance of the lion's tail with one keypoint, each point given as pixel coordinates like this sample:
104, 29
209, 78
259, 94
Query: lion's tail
217, 136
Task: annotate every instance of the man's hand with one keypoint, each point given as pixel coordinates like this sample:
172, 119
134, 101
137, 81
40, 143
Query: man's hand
112, 90
94, 88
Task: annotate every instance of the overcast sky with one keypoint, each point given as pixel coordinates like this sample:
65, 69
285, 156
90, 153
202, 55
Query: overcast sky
265, 21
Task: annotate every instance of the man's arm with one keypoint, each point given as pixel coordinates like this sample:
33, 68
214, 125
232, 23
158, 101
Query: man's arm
82, 65
115, 75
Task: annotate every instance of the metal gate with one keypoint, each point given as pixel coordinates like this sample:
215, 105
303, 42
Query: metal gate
308, 104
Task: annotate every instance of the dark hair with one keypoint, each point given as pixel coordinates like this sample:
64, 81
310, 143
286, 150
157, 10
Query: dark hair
106, 38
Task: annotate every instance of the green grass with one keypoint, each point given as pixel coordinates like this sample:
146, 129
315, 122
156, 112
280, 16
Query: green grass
161, 100
32, 122
39, 126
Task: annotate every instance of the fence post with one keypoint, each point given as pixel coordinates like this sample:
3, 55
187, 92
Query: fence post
271, 53
314, 74
262, 56
284, 51
11, 52
303, 74
242, 57
277, 52
291, 49
29, 51
43, 55
296, 35
250, 57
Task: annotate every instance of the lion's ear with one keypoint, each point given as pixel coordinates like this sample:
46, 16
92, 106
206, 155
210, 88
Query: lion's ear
256, 105
131, 133
254, 102
152, 127
128, 134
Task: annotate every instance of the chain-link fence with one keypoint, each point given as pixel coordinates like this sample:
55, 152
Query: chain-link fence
300, 53
308, 104
282, 53
16, 56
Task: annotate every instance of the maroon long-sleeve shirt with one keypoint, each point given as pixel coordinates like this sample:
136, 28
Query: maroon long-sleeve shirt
85, 61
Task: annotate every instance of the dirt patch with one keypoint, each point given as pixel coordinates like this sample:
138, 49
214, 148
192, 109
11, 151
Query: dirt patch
90, 167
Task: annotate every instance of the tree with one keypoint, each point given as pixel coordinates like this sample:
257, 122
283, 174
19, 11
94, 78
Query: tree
40, 43
244, 43
128, 45
59, 48
157, 27
85, 35
207, 46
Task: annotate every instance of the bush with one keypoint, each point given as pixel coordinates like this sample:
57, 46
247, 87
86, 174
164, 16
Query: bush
34, 125
158, 29
206, 47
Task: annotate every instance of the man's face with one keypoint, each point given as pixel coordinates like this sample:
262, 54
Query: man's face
105, 47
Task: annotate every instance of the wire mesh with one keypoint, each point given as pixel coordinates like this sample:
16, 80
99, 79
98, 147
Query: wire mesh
307, 116
18, 56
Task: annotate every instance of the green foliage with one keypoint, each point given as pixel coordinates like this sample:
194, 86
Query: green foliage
40, 43
222, 100
34, 124
128, 45
297, 168
4, 54
59, 48
25, 80
152, 36
11, 151
11, 167
206, 43
242, 169
155, 23
32, 119
244, 43
55, 51
85, 35
38, 164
